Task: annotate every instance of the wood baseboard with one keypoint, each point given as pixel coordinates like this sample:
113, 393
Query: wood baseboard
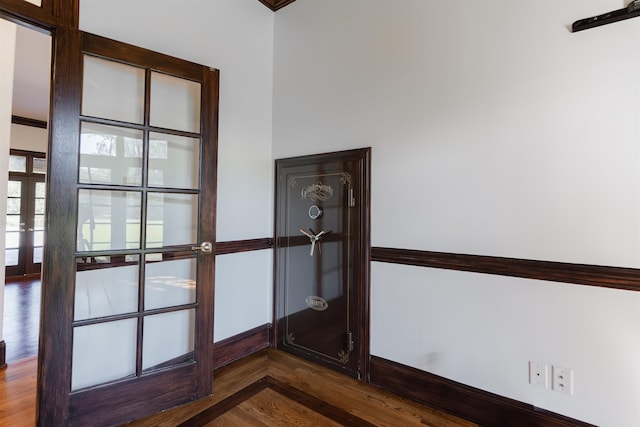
479, 406
241, 345
3, 354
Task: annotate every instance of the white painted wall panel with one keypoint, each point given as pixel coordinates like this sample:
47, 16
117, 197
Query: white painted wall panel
242, 303
29, 138
482, 330
493, 128
494, 131
7, 47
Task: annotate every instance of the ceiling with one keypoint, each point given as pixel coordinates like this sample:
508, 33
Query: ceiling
32, 73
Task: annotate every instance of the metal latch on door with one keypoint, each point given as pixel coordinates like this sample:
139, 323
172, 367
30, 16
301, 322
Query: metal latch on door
205, 247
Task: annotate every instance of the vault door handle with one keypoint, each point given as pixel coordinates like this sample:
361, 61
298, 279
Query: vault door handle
205, 247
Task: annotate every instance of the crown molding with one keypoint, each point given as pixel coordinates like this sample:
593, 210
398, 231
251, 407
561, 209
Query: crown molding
276, 4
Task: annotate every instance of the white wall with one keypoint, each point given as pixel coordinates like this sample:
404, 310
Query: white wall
29, 138
7, 47
494, 131
235, 36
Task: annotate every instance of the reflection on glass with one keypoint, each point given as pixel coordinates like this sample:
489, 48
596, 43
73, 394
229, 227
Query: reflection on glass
40, 190
38, 238
13, 222
108, 220
11, 257
169, 283
39, 206
175, 103
171, 219
37, 255
14, 189
106, 291
109, 154
39, 165
38, 222
112, 90
103, 352
175, 161
12, 239
13, 205
168, 337
17, 163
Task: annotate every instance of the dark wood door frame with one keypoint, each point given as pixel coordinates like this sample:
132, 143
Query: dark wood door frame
363, 156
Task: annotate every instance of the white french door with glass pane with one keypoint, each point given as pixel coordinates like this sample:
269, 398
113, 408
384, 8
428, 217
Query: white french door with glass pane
133, 204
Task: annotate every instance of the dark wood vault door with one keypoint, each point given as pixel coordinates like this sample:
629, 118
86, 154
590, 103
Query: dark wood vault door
322, 241
127, 320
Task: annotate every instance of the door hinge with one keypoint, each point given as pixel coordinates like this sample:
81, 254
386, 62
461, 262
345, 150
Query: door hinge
350, 340
352, 199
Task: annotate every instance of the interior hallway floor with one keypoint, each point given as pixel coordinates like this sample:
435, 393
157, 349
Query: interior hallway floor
21, 322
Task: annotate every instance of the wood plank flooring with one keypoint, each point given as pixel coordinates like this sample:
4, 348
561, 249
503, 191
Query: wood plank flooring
273, 388
21, 326
269, 388
18, 393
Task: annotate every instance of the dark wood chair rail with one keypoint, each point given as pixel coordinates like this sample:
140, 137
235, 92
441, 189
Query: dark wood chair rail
579, 274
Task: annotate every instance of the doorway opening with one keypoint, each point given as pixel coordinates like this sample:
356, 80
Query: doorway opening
25, 195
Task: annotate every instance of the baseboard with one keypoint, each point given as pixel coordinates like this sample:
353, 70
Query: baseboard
479, 406
241, 345
3, 354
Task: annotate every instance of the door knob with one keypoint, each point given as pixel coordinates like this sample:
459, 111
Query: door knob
205, 247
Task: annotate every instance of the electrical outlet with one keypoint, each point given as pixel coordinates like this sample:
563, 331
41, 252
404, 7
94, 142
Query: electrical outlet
539, 374
562, 380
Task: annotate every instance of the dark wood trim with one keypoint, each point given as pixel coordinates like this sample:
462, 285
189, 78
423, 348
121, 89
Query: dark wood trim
58, 270
235, 246
241, 345
276, 4
479, 406
32, 276
141, 57
25, 13
3, 354
24, 121
579, 274
133, 398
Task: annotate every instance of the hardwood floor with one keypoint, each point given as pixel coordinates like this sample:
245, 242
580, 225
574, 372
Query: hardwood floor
21, 321
273, 388
18, 393
269, 388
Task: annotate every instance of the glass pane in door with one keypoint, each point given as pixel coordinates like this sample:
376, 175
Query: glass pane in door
110, 155
38, 221
168, 337
113, 90
169, 283
106, 286
175, 103
103, 352
108, 220
172, 219
174, 161
14, 223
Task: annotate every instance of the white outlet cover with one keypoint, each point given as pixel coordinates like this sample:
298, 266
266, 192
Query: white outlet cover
562, 380
539, 374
